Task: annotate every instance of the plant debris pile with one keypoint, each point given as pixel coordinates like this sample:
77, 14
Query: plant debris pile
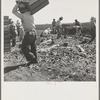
58, 60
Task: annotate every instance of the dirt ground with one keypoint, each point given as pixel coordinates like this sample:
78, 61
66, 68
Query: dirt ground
74, 62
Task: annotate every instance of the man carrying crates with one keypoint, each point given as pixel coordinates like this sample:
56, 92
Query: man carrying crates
22, 11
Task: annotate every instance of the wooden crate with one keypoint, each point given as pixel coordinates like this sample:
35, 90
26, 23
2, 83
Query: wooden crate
7, 46
36, 5
6, 37
7, 41
6, 30
6, 34
6, 49
6, 17
6, 22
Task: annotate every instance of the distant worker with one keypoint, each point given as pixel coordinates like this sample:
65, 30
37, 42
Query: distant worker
12, 34
93, 29
59, 27
54, 26
77, 26
21, 33
18, 26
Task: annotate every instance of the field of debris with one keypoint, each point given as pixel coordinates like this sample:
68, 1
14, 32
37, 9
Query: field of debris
63, 59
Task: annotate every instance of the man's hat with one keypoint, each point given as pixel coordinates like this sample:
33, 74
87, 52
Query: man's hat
75, 19
92, 18
61, 18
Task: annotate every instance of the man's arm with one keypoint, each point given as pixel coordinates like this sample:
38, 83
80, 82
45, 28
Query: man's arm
15, 12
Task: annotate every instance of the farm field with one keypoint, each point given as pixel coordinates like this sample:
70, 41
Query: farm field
45, 26
56, 62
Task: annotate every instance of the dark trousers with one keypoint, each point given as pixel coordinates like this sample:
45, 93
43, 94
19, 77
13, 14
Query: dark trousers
13, 40
54, 29
93, 34
59, 31
29, 47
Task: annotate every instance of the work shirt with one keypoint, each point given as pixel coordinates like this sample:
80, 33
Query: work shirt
93, 26
28, 22
53, 23
12, 30
17, 24
58, 23
77, 23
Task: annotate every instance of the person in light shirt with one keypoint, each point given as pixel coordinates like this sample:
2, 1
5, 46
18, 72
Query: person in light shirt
12, 34
21, 10
59, 27
18, 26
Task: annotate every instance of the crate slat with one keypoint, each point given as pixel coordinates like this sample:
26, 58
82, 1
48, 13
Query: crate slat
7, 50
7, 42
6, 17
37, 5
6, 37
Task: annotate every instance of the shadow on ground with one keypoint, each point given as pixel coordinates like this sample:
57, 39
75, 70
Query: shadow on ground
11, 68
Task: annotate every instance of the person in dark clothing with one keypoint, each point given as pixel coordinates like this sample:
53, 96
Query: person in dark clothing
77, 23
93, 29
29, 52
28, 44
77, 26
12, 34
54, 26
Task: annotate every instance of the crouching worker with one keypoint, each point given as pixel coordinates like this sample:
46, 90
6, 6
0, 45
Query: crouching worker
21, 10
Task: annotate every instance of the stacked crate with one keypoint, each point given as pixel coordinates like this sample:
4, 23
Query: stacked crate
6, 34
36, 5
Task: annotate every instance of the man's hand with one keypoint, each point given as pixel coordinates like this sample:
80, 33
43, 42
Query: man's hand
18, 1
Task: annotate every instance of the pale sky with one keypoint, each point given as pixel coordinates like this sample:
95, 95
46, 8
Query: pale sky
70, 10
